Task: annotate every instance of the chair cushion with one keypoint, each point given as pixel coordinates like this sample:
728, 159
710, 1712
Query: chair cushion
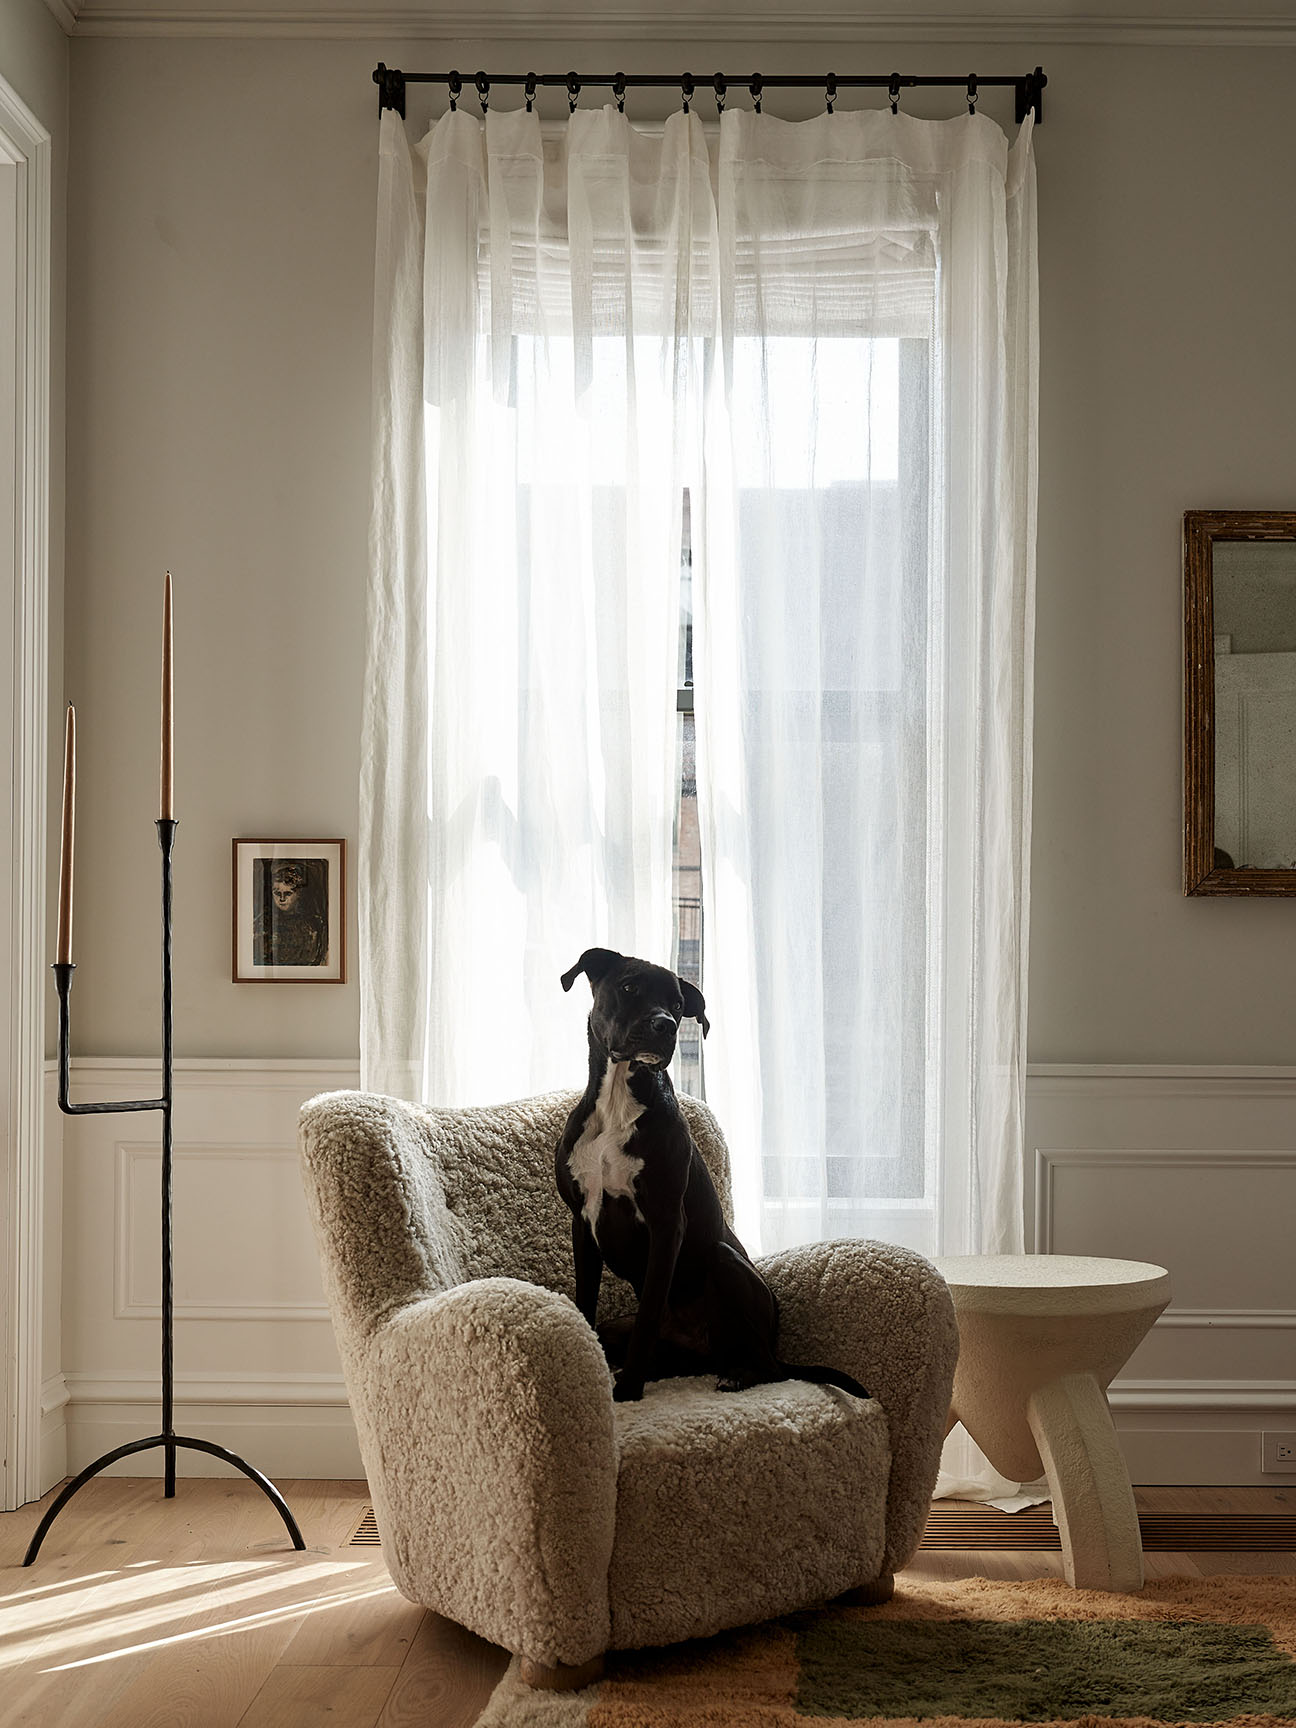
735, 1506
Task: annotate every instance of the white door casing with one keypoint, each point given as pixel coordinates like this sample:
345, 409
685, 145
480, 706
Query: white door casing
25, 211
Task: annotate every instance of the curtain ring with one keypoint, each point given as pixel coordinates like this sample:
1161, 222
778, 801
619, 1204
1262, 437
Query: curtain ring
618, 90
686, 89
972, 92
573, 92
483, 91
456, 85
756, 86
830, 91
893, 90
530, 90
721, 90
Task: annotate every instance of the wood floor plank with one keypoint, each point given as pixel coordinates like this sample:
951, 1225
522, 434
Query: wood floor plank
1262, 1565
1169, 1565
375, 1626
190, 1598
301, 1696
936, 1563
447, 1678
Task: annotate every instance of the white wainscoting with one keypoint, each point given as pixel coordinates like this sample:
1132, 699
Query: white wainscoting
256, 1369
1195, 1169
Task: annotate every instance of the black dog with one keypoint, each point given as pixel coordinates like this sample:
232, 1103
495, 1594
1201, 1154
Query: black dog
643, 1202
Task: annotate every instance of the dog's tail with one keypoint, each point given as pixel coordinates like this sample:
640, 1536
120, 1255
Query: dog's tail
823, 1377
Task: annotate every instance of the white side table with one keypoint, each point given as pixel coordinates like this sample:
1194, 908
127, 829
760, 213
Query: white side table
1041, 1336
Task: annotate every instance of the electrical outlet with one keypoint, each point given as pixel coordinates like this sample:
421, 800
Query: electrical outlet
1277, 1452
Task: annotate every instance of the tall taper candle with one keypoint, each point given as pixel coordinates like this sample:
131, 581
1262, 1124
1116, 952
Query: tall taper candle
64, 954
166, 807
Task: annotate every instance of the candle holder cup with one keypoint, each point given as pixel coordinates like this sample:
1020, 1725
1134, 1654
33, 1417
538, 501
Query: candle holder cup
168, 1440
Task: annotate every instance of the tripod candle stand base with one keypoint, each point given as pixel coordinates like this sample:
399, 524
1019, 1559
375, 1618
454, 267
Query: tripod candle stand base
170, 1443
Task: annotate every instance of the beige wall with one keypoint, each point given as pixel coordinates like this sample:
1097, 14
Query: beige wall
220, 311
221, 281
34, 60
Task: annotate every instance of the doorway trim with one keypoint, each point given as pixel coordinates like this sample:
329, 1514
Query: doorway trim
24, 639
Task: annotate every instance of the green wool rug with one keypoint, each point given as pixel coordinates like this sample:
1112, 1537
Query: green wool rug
974, 1653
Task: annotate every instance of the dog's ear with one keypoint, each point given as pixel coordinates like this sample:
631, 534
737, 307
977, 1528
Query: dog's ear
595, 963
695, 1004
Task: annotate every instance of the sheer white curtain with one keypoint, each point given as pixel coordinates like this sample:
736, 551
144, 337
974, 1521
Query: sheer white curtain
826, 333
864, 646
535, 340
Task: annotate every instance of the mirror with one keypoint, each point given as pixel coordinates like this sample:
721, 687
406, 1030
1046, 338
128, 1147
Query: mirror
1240, 702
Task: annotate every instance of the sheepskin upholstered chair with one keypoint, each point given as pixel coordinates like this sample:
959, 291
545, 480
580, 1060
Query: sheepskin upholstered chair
512, 1495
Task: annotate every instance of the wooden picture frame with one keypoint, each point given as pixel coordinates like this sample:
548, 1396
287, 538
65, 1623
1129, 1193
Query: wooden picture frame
289, 912
1208, 868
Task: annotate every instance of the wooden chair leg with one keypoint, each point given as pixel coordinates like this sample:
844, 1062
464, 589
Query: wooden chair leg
871, 1595
562, 1676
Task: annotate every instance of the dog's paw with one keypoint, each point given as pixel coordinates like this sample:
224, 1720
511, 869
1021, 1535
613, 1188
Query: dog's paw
626, 1391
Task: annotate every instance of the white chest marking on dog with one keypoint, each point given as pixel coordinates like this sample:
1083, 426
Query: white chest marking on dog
599, 1161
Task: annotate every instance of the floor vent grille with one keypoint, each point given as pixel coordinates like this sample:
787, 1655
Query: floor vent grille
1162, 1532
365, 1534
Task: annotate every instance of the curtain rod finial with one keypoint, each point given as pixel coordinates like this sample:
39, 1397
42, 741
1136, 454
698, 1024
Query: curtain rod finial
1029, 97
391, 89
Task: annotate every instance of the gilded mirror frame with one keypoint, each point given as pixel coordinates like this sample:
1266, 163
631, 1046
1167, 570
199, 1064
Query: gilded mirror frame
1203, 529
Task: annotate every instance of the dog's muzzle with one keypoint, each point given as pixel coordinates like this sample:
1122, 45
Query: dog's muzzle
650, 1041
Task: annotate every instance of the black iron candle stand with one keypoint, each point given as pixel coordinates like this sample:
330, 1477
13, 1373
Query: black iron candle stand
168, 1439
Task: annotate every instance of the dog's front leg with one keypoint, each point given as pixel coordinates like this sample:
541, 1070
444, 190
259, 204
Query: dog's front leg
589, 1267
663, 1251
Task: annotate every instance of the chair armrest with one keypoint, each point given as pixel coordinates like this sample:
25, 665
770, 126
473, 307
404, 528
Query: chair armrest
486, 1424
884, 1314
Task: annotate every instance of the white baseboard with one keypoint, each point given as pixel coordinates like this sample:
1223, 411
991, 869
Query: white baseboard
53, 1432
1191, 1447
282, 1425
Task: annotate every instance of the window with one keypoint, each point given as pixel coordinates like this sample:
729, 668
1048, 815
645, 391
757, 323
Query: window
843, 720
687, 897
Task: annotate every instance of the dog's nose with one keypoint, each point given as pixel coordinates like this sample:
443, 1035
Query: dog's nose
661, 1022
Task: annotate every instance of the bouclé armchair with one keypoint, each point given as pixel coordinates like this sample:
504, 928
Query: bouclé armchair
512, 1495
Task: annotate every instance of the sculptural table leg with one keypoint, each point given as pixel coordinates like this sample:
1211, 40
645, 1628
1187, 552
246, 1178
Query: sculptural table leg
1092, 1497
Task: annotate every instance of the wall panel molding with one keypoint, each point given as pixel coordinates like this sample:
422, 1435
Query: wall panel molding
1193, 1168
137, 1257
1049, 1160
256, 1365
1180, 1159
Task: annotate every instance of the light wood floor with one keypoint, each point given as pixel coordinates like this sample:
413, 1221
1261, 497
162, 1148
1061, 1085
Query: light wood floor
141, 1612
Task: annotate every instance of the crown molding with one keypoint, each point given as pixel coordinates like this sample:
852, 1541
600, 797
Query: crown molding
65, 15
1037, 25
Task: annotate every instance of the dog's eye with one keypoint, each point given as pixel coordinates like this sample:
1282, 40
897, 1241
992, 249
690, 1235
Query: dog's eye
627, 989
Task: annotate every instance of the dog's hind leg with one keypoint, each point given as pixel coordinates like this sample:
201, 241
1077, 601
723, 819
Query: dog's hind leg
614, 1336
742, 1322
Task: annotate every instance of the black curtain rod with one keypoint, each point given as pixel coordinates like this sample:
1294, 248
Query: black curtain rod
391, 85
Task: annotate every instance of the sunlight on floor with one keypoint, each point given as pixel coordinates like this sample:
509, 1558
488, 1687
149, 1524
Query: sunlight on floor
106, 1616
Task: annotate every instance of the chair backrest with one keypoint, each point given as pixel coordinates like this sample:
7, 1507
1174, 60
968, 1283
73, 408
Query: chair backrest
408, 1200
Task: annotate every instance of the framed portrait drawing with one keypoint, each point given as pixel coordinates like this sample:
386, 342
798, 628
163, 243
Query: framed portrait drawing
290, 911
